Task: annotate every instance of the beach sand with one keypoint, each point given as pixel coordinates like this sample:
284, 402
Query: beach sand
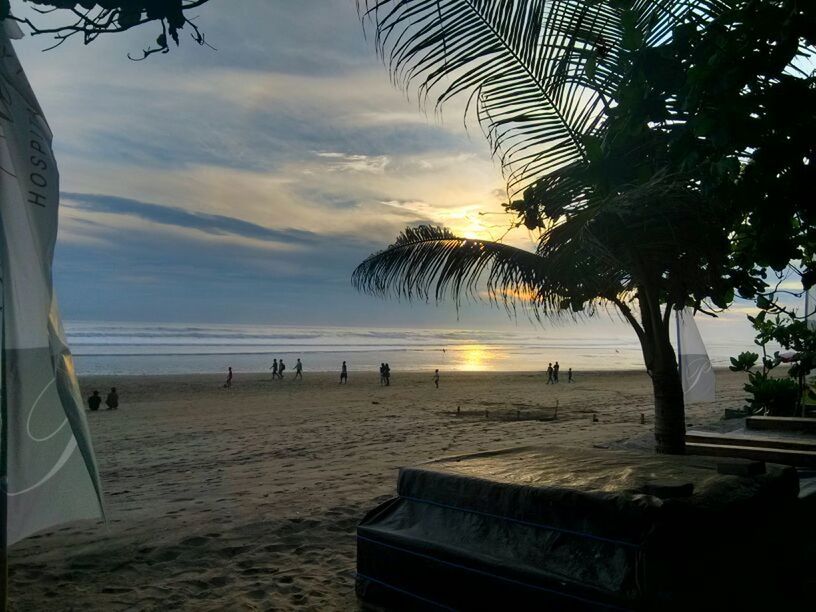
248, 498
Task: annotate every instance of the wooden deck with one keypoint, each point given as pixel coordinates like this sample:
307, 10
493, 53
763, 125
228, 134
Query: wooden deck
785, 440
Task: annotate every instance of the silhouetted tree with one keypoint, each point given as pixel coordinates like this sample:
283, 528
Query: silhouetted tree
91, 18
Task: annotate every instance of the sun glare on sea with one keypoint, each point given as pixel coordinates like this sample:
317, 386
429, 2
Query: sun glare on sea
473, 358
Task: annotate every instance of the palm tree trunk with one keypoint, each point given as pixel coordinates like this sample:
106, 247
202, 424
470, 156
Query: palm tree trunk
658, 354
670, 418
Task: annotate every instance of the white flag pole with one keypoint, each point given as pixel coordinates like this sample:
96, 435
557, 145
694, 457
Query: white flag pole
679, 351
3, 453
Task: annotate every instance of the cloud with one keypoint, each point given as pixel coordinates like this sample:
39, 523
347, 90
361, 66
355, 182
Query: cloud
218, 225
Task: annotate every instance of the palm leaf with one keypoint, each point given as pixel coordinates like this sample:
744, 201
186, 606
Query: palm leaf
428, 262
541, 73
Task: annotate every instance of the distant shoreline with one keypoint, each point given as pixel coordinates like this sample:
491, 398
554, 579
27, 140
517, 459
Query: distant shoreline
323, 374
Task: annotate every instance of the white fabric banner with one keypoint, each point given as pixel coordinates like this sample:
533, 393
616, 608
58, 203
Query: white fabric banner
695, 366
810, 308
51, 471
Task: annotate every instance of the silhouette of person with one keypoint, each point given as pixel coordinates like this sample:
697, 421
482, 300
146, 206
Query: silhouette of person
382, 374
281, 368
343, 374
298, 370
228, 382
112, 401
556, 367
94, 401
436, 378
274, 369
549, 374
387, 373
569, 375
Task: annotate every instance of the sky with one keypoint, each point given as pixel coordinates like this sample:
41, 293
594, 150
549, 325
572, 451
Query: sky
244, 184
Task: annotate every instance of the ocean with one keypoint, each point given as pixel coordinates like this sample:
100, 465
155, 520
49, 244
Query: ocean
142, 348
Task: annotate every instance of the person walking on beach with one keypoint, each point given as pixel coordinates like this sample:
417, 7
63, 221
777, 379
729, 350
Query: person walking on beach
436, 378
549, 374
274, 369
387, 373
298, 370
382, 374
94, 401
112, 401
569, 375
281, 368
343, 374
228, 382
556, 367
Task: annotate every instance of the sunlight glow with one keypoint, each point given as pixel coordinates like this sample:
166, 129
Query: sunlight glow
474, 358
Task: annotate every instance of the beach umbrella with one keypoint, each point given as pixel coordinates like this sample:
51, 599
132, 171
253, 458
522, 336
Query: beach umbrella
696, 372
47, 467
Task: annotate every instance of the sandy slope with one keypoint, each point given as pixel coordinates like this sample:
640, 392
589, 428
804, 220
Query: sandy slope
247, 499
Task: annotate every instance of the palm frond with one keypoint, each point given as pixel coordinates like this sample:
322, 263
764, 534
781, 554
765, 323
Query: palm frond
541, 73
431, 263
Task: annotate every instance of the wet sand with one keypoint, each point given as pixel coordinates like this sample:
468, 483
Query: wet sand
247, 499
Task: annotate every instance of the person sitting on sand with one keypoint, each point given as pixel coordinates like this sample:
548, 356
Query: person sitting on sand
281, 368
112, 401
298, 370
549, 374
556, 367
228, 382
274, 369
436, 378
94, 401
343, 374
569, 375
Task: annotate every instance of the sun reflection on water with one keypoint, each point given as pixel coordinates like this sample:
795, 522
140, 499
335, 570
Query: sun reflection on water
475, 358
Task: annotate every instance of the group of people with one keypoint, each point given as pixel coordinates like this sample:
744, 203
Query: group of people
552, 374
385, 375
278, 367
95, 400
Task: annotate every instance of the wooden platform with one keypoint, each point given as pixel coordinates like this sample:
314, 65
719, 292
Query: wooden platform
803, 424
767, 440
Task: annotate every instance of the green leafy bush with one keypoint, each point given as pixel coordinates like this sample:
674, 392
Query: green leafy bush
771, 396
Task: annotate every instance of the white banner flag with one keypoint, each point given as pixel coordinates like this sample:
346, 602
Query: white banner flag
695, 366
51, 473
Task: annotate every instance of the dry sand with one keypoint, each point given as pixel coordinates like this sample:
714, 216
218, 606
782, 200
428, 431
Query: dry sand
247, 499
